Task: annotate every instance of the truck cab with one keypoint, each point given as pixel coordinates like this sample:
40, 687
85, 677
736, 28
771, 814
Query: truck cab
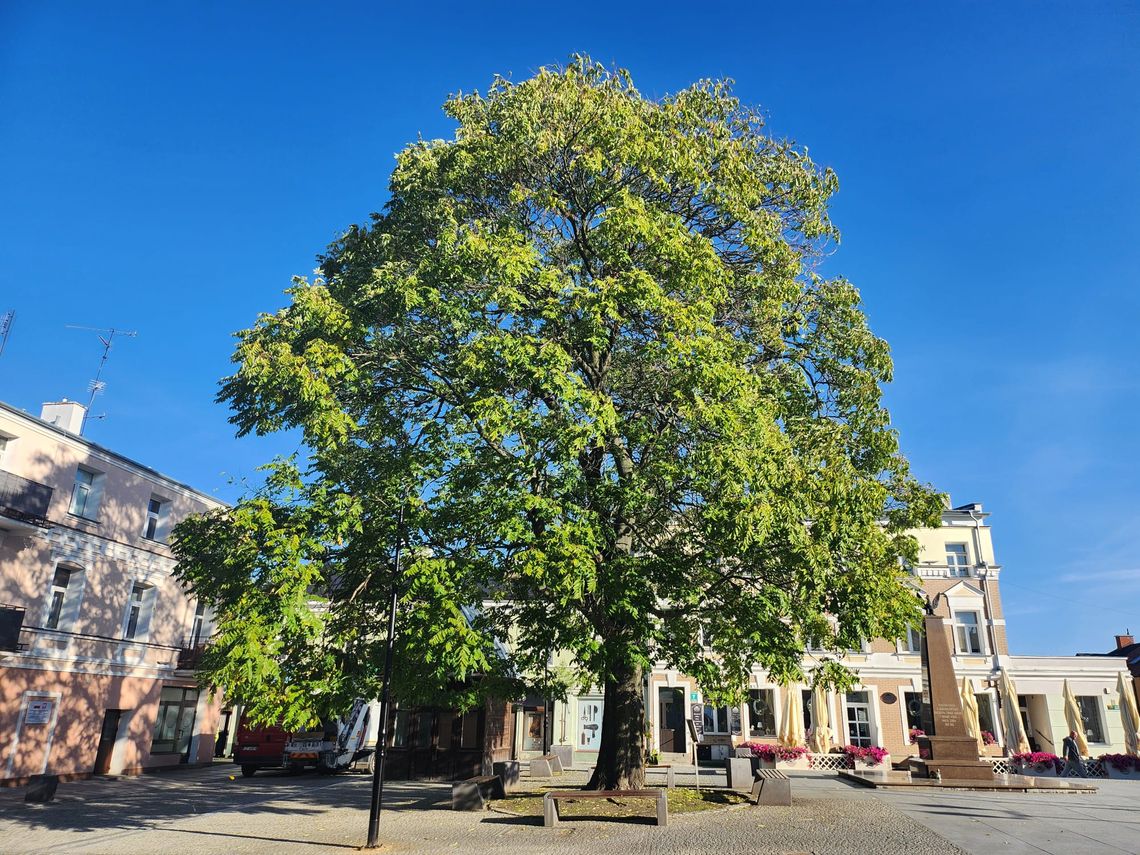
259, 746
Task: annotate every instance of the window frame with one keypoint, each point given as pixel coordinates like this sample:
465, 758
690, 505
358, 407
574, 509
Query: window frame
92, 496
960, 565
961, 633
911, 642
1097, 718
753, 700
848, 706
155, 527
716, 711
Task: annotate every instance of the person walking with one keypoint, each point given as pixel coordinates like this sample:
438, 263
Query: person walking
1074, 765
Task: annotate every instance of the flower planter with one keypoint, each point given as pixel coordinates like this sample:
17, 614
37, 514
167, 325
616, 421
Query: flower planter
1036, 770
868, 766
1116, 774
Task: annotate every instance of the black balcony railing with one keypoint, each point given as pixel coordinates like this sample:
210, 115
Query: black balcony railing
190, 654
24, 500
11, 622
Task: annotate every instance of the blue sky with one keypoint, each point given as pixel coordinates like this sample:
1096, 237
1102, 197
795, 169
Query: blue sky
167, 168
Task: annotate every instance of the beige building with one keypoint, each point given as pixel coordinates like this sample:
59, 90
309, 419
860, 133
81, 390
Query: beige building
97, 640
957, 568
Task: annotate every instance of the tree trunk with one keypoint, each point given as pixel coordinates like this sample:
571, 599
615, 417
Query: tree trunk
621, 753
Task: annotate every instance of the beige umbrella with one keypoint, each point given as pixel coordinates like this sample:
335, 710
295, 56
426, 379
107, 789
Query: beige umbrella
1015, 741
1073, 719
792, 723
820, 741
970, 710
1129, 716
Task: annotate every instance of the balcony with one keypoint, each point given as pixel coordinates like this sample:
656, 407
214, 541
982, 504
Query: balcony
190, 654
23, 502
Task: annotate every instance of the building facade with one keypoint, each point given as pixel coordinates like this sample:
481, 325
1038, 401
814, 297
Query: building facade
97, 640
957, 569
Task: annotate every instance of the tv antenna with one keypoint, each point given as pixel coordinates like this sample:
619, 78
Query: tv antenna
6, 320
96, 386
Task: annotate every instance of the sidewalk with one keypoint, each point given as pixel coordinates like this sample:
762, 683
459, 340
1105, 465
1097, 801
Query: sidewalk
203, 812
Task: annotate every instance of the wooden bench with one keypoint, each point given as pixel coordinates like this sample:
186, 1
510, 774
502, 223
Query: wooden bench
545, 766
771, 788
550, 802
475, 793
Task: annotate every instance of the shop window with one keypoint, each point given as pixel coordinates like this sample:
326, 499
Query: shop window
913, 701
174, 725
761, 713
716, 719
1090, 715
986, 713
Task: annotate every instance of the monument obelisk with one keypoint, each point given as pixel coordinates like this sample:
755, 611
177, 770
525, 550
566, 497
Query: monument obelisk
947, 749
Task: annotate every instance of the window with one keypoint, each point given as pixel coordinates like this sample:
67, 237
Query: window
197, 626
859, 719
957, 560
86, 493
761, 713
967, 633
175, 722
1090, 715
400, 729
716, 719
3, 446
134, 611
469, 733
807, 701
156, 512
913, 701
913, 641
986, 713
57, 597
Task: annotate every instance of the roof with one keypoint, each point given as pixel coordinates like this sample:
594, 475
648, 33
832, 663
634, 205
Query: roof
122, 458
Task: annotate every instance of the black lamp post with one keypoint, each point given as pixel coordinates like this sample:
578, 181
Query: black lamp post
385, 697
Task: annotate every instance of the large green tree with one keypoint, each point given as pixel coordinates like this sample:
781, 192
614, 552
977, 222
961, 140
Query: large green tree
587, 346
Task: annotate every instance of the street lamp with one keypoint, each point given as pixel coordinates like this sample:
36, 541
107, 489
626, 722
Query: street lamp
386, 693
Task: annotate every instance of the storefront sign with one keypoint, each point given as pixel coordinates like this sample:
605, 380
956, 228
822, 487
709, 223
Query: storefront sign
589, 724
697, 722
39, 712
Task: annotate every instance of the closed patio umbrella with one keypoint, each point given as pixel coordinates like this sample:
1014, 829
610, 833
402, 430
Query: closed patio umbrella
1073, 719
1015, 741
820, 742
1129, 716
792, 722
970, 710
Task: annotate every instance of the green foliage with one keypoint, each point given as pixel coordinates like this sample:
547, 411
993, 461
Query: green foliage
589, 338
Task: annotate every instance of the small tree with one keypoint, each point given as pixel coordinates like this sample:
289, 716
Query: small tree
590, 335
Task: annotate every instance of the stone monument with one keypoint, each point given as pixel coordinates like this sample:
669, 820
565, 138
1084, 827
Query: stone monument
947, 750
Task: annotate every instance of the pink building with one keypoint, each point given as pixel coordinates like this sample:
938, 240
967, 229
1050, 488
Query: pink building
97, 639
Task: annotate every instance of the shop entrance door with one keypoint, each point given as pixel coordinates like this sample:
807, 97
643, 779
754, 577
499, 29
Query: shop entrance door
107, 736
671, 720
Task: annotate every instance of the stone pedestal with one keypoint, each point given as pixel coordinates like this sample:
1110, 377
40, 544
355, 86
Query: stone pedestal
947, 749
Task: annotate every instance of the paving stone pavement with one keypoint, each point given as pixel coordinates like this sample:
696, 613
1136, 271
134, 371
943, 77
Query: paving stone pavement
203, 812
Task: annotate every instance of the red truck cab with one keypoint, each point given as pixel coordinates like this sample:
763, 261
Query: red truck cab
260, 747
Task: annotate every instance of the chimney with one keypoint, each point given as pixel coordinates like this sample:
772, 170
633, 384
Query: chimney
1124, 641
66, 415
